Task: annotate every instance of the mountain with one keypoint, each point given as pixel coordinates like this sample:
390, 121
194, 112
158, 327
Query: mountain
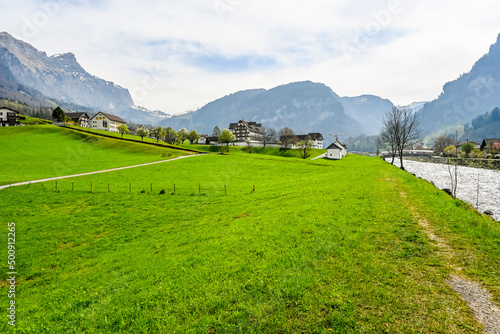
469, 96
302, 106
27, 73
415, 106
369, 110
483, 126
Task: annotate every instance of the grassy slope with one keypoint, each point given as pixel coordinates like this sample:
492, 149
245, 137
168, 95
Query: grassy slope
320, 247
35, 152
274, 151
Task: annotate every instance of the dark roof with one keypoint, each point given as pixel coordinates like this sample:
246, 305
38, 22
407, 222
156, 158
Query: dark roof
489, 141
250, 125
335, 145
76, 114
10, 109
312, 135
111, 117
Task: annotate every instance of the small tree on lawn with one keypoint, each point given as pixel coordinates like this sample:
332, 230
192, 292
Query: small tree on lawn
123, 128
268, 136
287, 137
249, 145
227, 137
305, 147
182, 135
156, 132
170, 136
467, 148
58, 114
216, 133
163, 133
193, 136
142, 132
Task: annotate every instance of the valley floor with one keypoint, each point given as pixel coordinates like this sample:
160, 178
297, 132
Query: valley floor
246, 244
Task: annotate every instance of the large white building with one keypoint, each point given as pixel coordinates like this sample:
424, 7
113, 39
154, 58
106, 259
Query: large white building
107, 122
8, 117
244, 130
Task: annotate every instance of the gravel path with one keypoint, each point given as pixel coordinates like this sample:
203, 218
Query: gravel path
98, 172
479, 301
486, 192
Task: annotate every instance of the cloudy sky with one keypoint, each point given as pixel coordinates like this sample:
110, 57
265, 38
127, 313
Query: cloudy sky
177, 56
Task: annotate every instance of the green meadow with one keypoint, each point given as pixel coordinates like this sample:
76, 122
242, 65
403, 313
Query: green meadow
36, 152
243, 243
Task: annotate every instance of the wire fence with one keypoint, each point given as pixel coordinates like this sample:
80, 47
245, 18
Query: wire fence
142, 188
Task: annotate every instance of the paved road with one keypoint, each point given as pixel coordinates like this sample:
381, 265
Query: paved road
320, 156
98, 172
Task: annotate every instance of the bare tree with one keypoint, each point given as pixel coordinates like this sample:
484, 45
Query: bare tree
388, 142
401, 127
441, 142
287, 137
268, 136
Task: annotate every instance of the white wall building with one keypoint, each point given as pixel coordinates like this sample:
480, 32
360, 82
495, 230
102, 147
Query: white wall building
9, 117
336, 151
107, 122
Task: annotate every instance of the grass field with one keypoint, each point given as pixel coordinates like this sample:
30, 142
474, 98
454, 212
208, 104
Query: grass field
35, 152
318, 247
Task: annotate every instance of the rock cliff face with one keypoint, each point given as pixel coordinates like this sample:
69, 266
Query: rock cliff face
469, 96
59, 77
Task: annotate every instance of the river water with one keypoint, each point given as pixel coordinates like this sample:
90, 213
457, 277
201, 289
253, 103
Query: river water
480, 187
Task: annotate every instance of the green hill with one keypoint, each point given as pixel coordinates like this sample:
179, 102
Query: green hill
36, 152
244, 244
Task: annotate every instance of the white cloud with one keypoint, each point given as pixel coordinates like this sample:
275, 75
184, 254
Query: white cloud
173, 50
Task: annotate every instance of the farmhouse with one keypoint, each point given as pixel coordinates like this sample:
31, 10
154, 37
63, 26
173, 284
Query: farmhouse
107, 122
9, 117
79, 118
336, 151
244, 130
316, 138
488, 142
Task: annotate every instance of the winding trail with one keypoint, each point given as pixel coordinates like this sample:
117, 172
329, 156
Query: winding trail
97, 172
479, 300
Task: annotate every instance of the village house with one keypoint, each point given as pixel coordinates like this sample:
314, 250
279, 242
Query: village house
107, 122
244, 130
79, 118
316, 139
488, 142
9, 117
336, 151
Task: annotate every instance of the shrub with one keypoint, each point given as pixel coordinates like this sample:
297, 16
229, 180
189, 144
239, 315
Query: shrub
488, 156
450, 151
